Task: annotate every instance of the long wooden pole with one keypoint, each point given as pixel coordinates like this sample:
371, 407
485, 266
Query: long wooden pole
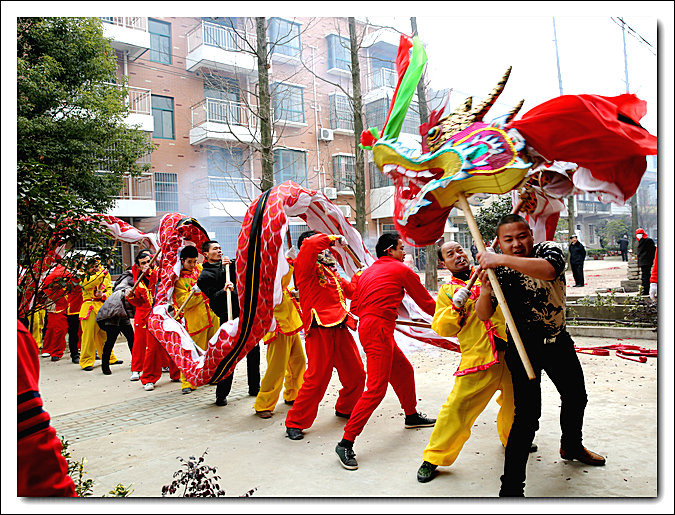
496, 287
229, 293
182, 306
152, 261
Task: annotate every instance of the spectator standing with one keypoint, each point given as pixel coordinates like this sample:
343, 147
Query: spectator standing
577, 257
646, 251
623, 247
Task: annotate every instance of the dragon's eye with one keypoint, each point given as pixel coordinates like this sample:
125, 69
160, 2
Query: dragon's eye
434, 134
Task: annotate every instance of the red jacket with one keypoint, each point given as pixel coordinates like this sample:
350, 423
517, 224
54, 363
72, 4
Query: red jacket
142, 297
382, 286
323, 293
652, 278
55, 291
41, 469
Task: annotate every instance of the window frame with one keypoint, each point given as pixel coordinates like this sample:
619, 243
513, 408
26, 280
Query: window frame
154, 108
159, 35
297, 52
284, 175
339, 163
158, 181
231, 172
278, 107
334, 46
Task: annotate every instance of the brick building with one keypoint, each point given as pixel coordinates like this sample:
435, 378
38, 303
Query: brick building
193, 89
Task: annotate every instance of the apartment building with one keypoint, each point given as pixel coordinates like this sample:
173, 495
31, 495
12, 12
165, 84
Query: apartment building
193, 89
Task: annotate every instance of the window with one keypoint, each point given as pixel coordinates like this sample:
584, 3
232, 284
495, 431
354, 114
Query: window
227, 236
160, 41
162, 113
341, 116
288, 103
166, 191
343, 172
384, 69
376, 112
284, 37
377, 178
339, 52
411, 123
226, 181
222, 102
290, 165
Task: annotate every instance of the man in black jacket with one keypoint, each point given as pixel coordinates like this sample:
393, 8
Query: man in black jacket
645, 257
623, 247
577, 257
212, 281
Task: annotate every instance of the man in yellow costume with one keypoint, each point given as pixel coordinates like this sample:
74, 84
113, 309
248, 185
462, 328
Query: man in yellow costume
96, 288
200, 321
286, 362
481, 372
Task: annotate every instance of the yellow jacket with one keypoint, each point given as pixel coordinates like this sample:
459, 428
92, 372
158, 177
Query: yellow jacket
98, 281
476, 338
197, 312
287, 313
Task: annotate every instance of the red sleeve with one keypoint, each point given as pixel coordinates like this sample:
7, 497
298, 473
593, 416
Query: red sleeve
349, 287
41, 469
652, 278
418, 292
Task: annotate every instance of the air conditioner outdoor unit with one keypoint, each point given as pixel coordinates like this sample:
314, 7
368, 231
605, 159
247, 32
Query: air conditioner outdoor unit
346, 210
331, 193
325, 134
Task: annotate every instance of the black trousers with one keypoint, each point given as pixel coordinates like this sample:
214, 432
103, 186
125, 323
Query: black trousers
578, 273
112, 332
645, 273
624, 255
252, 371
73, 335
561, 363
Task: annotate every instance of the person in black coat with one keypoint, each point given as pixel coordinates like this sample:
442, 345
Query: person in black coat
115, 316
645, 257
623, 247
577, 257
212, 281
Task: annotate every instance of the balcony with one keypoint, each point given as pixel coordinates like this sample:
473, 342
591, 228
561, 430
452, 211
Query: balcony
213, 46
136, 197
222, 196
383, 78
128, 34
140, 109
215, 120
592, 207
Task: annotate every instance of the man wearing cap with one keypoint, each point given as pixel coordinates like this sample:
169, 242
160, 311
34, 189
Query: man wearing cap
623, 247
577, 257
645, 254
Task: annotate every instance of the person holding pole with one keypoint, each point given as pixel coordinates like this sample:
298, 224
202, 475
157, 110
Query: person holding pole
532, 278
192, 306
218, 282
379, 293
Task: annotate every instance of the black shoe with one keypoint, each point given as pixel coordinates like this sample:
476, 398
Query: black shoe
221, 402
511, 489
426, 472
55, 358
418, 420
88, 369
289, 403
165, 369
75, 359
118, 362
294, 433
584, 456
347, 457
106, 371
534, 448
253, 393
342, 415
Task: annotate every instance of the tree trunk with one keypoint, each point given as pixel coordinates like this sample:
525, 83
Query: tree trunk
431, 263
264, 104
359, 165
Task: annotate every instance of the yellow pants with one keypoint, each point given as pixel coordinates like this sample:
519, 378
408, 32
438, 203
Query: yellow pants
38, 326
468, 398
286, 364
202, 341
93, 339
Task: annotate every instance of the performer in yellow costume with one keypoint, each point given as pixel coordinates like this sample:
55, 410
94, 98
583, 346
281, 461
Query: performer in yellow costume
38, 326
286, 362
481, 372
95, 290
200, 321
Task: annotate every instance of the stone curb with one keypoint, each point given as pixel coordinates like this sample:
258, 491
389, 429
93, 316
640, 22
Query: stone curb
613, 332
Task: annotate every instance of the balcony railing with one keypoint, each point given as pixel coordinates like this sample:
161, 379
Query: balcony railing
138, 99
213, 34
137, 188
229, 189
129, 22
384, 78
223, 111
591, 206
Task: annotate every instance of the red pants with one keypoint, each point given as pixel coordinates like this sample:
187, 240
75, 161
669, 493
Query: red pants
327, 347
55, 337
386, 365
154, 356
138, 351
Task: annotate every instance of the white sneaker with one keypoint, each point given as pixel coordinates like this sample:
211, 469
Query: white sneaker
135, 376
148, 387
45, 354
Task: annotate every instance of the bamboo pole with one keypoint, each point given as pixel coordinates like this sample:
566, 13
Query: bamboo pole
412, 323
496, 287
152, 261
182, 306
352, 254
229, 293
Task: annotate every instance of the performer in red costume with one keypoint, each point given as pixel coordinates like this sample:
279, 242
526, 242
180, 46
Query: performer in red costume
57, 322
328, 342
41, 470
147, 351
379, 293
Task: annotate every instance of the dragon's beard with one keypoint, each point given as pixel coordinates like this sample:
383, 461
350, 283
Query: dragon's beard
327, 259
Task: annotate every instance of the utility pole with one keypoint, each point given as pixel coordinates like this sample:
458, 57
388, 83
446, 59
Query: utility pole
430, 251
571, 221
633, 200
